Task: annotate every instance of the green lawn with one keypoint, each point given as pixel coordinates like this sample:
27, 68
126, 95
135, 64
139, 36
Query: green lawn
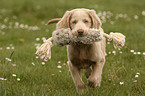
22, 24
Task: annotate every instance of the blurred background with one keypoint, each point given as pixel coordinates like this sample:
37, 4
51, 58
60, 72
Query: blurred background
23, 30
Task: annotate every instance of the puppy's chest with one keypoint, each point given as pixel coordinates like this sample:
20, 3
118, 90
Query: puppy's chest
82, 53
82, 57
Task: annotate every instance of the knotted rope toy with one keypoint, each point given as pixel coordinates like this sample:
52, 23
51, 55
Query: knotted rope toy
63, 37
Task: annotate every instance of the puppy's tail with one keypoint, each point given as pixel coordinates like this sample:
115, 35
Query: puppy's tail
55, 20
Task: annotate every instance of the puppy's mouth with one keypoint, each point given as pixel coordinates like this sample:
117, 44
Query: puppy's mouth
79, 33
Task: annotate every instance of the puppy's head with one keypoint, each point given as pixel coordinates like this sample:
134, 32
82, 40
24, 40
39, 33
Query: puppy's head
79, 21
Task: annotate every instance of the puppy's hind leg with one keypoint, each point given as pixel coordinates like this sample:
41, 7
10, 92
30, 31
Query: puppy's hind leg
88, 71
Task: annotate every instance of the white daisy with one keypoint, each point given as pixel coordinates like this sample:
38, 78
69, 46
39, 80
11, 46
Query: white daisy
7, 48
143, 13
135, 17
14, 75
37, 39
37, 57
121, 83
8, 59
131, 50
59, 66
33, 64
59, 70
59, 62
139, 53
136, 76
43, 63
114, 52
13, 47
18, 79
109, 52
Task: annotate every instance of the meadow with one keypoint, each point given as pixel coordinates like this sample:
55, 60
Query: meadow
23, 29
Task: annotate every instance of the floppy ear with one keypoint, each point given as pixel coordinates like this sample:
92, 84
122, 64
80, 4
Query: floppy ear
96, 22
64, 22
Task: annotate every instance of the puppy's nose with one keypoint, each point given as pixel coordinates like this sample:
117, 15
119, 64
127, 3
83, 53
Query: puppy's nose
80, 31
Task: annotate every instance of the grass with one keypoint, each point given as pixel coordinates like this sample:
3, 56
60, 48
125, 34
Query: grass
47, 80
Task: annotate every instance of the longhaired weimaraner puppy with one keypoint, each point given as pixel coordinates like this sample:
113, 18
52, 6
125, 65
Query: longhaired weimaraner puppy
90, 57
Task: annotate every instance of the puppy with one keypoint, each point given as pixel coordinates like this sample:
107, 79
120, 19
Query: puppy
90, 57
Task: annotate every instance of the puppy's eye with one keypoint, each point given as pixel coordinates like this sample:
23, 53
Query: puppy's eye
85, 21
74, 22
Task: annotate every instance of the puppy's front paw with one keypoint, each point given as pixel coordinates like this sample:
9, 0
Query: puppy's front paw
81, 89
94, 82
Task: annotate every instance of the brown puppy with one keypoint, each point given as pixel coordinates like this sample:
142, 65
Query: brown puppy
90, 57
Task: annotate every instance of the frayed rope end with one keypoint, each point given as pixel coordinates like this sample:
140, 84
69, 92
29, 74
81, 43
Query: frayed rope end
44, 51
118, 39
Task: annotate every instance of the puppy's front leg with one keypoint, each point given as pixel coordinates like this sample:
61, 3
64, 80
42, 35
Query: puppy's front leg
76, 75
95, 78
